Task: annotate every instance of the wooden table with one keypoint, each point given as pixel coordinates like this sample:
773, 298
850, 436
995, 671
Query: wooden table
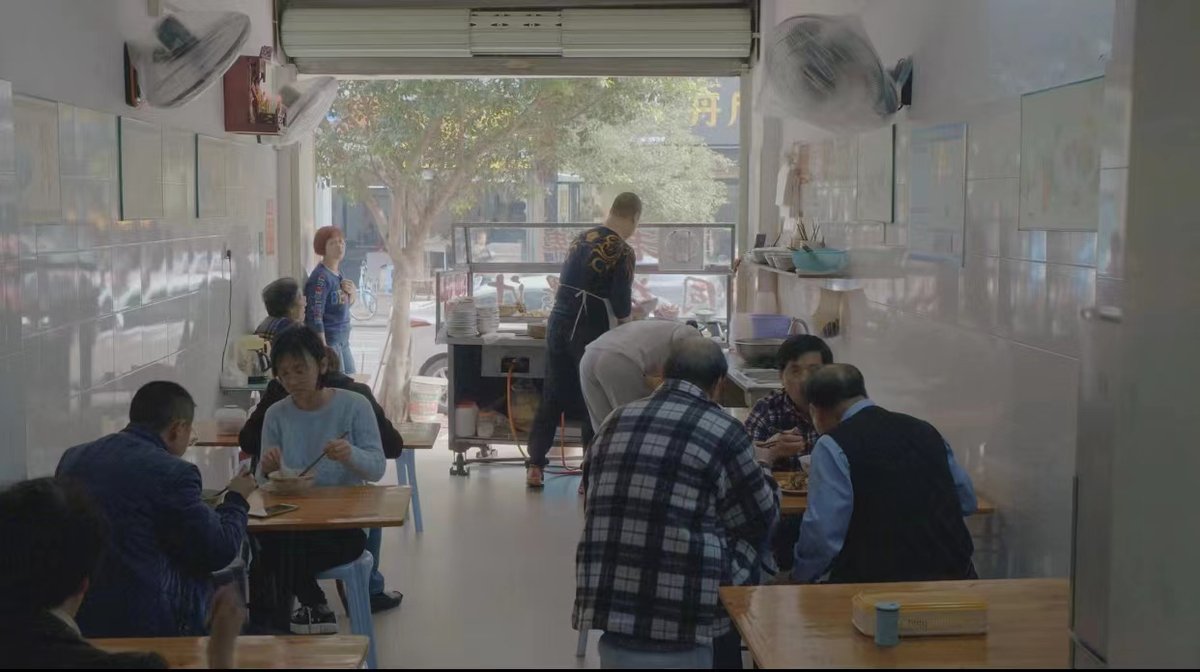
334, 508
796, 505
207, 435
419, 435
345, 652
809, 626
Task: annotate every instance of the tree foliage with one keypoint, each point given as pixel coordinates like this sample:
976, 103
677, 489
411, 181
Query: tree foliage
438, 144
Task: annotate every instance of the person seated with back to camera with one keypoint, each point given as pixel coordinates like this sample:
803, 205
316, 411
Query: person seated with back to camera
314, 420
167, 542
55, 538
886, 498
250, 439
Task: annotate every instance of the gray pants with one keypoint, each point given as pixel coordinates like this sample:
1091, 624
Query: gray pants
609, 380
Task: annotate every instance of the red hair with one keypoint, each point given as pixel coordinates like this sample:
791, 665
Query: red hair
322, 238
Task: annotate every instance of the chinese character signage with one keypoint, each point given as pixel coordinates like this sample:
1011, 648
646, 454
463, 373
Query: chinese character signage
716, 115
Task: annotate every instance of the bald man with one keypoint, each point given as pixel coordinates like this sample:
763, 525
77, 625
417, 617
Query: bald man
886, 499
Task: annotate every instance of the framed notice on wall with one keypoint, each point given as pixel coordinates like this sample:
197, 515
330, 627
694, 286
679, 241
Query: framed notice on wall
271, 233
210, 177
937, 192
875, 175
1060, 157
141, 150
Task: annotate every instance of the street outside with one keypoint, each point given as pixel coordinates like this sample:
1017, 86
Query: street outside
367, 338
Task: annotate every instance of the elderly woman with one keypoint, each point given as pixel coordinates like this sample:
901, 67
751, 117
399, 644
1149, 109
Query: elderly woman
285, 307
314, 419
330, 296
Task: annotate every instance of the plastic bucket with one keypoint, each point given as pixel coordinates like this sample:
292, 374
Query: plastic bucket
770, 326
424, 395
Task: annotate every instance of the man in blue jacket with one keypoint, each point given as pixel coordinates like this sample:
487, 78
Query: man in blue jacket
156, 579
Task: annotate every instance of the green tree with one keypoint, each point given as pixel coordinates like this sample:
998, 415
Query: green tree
437, 145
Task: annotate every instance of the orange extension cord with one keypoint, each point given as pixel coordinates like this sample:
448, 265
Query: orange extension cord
512, 426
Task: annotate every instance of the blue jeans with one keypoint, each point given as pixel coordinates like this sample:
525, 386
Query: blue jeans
341, 345
617, 658
374, 541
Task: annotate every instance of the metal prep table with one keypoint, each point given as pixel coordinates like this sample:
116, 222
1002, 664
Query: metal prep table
477, 367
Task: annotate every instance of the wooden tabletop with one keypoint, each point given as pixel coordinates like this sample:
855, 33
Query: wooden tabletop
345, 652
796, 505
334, 508
809, 626
419, 434
207, 435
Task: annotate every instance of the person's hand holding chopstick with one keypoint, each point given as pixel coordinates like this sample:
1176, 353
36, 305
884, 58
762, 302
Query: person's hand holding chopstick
785, 444
339, 450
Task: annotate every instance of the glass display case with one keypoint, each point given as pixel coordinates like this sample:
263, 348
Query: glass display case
683, 272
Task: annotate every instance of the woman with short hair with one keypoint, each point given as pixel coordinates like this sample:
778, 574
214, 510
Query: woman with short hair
330, 296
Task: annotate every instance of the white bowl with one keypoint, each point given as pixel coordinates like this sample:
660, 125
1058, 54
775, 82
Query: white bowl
288, 484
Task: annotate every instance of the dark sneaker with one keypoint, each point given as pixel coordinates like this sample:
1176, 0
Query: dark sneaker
319, 620
388, 599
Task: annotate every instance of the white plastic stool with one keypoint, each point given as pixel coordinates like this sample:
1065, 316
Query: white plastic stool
356, 577
406, 474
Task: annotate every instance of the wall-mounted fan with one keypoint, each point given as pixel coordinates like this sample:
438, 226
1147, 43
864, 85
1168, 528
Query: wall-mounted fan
303, 105
187, 53
823, 70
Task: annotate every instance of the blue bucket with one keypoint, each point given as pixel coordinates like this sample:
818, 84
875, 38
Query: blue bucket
765, 325
821, 261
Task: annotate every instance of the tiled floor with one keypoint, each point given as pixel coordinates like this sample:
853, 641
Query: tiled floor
490, 582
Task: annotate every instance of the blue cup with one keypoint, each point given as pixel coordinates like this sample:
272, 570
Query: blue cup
887, 623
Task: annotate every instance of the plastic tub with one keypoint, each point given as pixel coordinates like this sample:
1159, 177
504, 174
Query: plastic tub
763, 325
820, 261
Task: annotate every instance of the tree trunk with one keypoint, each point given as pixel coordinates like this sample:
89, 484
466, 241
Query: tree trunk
397, 369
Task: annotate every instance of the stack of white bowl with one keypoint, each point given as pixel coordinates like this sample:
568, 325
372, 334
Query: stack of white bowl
488, 319
463, 320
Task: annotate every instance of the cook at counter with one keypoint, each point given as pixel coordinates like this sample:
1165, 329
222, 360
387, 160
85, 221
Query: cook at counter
593, 296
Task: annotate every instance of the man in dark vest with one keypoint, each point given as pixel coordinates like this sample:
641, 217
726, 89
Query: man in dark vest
886, 498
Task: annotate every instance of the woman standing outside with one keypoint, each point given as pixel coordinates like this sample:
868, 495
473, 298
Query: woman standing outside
329, 295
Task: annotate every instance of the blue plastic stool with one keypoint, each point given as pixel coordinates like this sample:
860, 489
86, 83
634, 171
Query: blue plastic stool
355, 577
406, 474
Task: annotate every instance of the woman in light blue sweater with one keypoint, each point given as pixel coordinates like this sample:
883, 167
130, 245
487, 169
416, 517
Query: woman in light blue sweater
312, 420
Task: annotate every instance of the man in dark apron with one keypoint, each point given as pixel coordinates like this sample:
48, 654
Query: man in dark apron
593, 296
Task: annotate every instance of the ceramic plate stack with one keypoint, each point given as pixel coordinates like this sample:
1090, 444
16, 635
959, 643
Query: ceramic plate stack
488, 319
463, 321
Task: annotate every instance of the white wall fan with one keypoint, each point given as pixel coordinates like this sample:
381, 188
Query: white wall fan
303, 104
187, 53
824, 70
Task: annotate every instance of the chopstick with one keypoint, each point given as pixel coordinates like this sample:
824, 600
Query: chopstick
225, 489
320, 457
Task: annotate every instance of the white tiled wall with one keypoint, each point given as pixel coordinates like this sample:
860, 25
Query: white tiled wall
988, 352
94, 307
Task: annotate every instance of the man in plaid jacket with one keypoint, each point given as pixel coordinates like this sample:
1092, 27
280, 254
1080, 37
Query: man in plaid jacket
676, 507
